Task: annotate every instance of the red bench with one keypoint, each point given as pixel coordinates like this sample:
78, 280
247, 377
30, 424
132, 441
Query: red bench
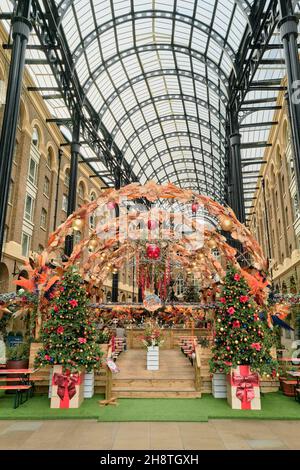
19, 389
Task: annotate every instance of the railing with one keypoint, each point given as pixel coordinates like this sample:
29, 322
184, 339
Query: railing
108, 387
197, 366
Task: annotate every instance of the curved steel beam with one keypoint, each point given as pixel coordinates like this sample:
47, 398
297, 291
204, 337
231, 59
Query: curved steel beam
163, 73
175, 161
214, 35
212, 65
158, 99
174, 117
176, 134
179, 148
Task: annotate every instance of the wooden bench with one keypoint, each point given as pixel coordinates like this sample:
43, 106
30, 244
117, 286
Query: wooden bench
19, 389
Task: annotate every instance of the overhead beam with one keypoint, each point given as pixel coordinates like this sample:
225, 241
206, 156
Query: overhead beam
258, 124
251, 145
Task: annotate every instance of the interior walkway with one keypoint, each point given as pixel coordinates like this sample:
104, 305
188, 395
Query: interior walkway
87, 434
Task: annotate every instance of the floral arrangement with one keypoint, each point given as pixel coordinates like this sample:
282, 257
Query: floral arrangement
152, 336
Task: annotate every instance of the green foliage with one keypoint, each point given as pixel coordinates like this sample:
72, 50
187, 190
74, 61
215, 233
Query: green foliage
18, 353
203, 341
69, 334
191, 294
241, 337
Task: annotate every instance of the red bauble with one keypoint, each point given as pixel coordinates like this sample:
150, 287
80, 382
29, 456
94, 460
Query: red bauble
195, 207
153, 251
151, 224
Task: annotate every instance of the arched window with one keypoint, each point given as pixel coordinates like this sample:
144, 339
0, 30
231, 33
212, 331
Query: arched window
35, 137
65, 203
81, 190
93, 196
44, 218
67, 177
46, 189
50, 158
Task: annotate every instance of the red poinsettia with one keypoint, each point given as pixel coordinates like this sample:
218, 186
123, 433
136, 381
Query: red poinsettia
73, 303
236, 324
60, 330
237, 277
82, 340
244, 299
256, 346
47, 357
223, 300
55, 308
231, 310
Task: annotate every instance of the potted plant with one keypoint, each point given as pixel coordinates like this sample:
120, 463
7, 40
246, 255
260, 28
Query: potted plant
17, 356
152, 339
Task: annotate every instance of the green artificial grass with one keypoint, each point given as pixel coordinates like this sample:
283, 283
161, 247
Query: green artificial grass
274, 406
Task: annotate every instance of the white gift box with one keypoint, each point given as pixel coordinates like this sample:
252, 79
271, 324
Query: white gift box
219, 388
89, 382
153, 358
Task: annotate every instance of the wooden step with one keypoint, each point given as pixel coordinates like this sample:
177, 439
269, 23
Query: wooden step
155, 393
163, 384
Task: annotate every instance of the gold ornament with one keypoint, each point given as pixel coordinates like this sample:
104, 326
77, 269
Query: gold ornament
212, 244
93, 243
226, 224
77, 224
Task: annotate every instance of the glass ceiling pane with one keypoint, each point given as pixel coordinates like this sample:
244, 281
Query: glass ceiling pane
156, 72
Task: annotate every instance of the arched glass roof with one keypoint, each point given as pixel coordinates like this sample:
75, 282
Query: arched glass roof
157, 73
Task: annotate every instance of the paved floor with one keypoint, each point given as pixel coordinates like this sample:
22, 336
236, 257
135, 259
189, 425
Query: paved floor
84, 434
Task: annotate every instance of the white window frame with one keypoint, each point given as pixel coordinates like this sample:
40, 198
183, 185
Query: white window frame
28, 244
30, 218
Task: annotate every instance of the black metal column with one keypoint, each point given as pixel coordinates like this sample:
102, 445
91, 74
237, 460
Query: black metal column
115, 276
236, 176
72, 196
21, 29
288, 26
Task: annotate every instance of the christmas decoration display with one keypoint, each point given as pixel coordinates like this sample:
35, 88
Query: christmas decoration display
103, 252
67, 388
152, 302
241, 337
69, 331
152, 335
243, 391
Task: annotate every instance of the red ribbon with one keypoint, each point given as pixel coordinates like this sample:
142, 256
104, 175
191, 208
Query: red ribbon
245, 386
66, 387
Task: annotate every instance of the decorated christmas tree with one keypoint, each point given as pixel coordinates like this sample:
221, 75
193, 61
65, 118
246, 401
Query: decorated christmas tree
69, 332
191, 294
241, 337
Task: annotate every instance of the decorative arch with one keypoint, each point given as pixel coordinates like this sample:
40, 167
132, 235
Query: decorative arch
102, 251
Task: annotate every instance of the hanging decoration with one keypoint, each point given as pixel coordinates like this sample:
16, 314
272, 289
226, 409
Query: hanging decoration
152, 302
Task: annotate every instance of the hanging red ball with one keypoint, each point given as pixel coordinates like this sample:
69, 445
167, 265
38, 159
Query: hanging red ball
153, 251
152, 224
195, 207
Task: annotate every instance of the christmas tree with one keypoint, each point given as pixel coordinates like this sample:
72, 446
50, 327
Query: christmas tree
69, 332
241, 337
191, 294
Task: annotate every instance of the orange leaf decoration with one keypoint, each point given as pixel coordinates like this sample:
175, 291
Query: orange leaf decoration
51, 282
28, 284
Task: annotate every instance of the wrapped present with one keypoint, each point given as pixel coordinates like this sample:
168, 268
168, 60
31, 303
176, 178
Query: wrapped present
67, 388
243, 392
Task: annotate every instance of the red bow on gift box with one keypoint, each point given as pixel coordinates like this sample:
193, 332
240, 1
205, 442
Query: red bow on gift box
66, 386
245, 386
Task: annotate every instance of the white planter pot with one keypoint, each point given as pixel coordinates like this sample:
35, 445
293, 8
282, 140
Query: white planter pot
219, 389
153, 358
89, 382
